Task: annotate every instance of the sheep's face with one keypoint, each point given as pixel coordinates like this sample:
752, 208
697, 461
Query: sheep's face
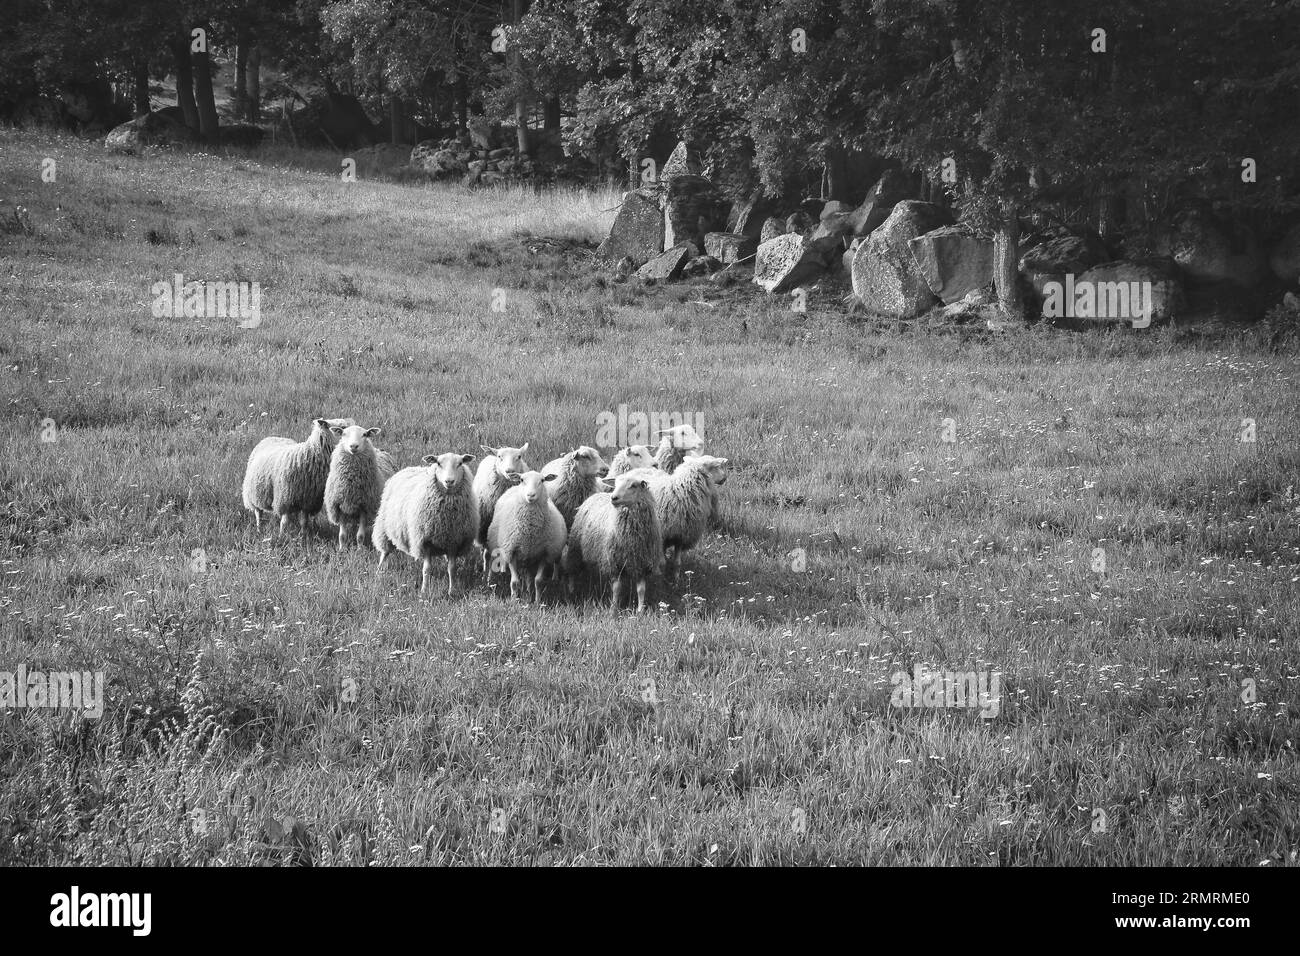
640, 456
533, 485
354, 438
630, 490
510, 461
683, 437
589, 462
715, 468
449, 469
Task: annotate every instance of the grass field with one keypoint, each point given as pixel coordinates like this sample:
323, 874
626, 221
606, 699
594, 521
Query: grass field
281, 706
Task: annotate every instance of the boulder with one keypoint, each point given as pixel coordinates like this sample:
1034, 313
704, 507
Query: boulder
833, 229
885, 274
241, 134
750, 215
638, 231
482, 134
1284, 260
688, 199
681, 162
978, 305
799, 223
1058, 255
437, 158
953, 261
668, 264
834, 208
893, 187
473, 172
1117, 291
772, 227
500, 153
785, 262
728, 247
152, 129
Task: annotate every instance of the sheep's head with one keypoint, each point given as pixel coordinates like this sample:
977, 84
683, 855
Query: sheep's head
509, 461
533, 485
589, 462
640, 456
713, 467
684, 437
354, 438
630, 490
449, 469
324, 428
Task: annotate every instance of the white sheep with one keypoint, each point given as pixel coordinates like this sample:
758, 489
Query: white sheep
683, 503
619, 536
494, 477
579, 472
355, 483
527, 534
630, 458
425, 512
675, 446
287, 478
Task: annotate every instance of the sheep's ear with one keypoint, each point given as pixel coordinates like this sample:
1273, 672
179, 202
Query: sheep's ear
549, 476
466, 459
374, 432
523, 448
514, 478
336, 429
489, 449
606, 483
639, 483
721, 461
324, 423
429, 459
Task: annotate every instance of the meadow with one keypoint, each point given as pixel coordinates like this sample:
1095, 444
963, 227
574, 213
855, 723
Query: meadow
1108, 519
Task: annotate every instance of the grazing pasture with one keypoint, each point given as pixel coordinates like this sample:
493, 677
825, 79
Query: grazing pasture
1077, 512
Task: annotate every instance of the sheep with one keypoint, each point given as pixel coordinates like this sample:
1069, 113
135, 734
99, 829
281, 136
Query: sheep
631, 457
618, 534
675, 446
492, 480
425, 512
683, 503
287, 478
578, 471
527, 534
387, 464
355, 483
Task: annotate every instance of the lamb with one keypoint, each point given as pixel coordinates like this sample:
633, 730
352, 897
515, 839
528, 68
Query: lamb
355, 483
618, 535
287, 478
683, 502
492, 480
426, 512
527, 534
631, 457
578, 471
676, 446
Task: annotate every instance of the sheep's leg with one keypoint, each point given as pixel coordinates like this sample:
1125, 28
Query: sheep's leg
617, 596
451, 576
516, 582
343, 537
538, 578
363, 533
302, 522
426, 572
671, 564
257, 516
640, 595
284, 522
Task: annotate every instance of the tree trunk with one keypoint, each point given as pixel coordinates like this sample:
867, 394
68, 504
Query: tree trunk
517, 68
553, 115
1006, 256
185, 80
203, 94
241, 71
142, 88
633, 169
254, 83
462, 105
396, 121
1111, 214
837, 174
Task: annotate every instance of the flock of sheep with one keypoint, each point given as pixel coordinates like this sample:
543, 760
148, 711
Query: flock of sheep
625, 520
